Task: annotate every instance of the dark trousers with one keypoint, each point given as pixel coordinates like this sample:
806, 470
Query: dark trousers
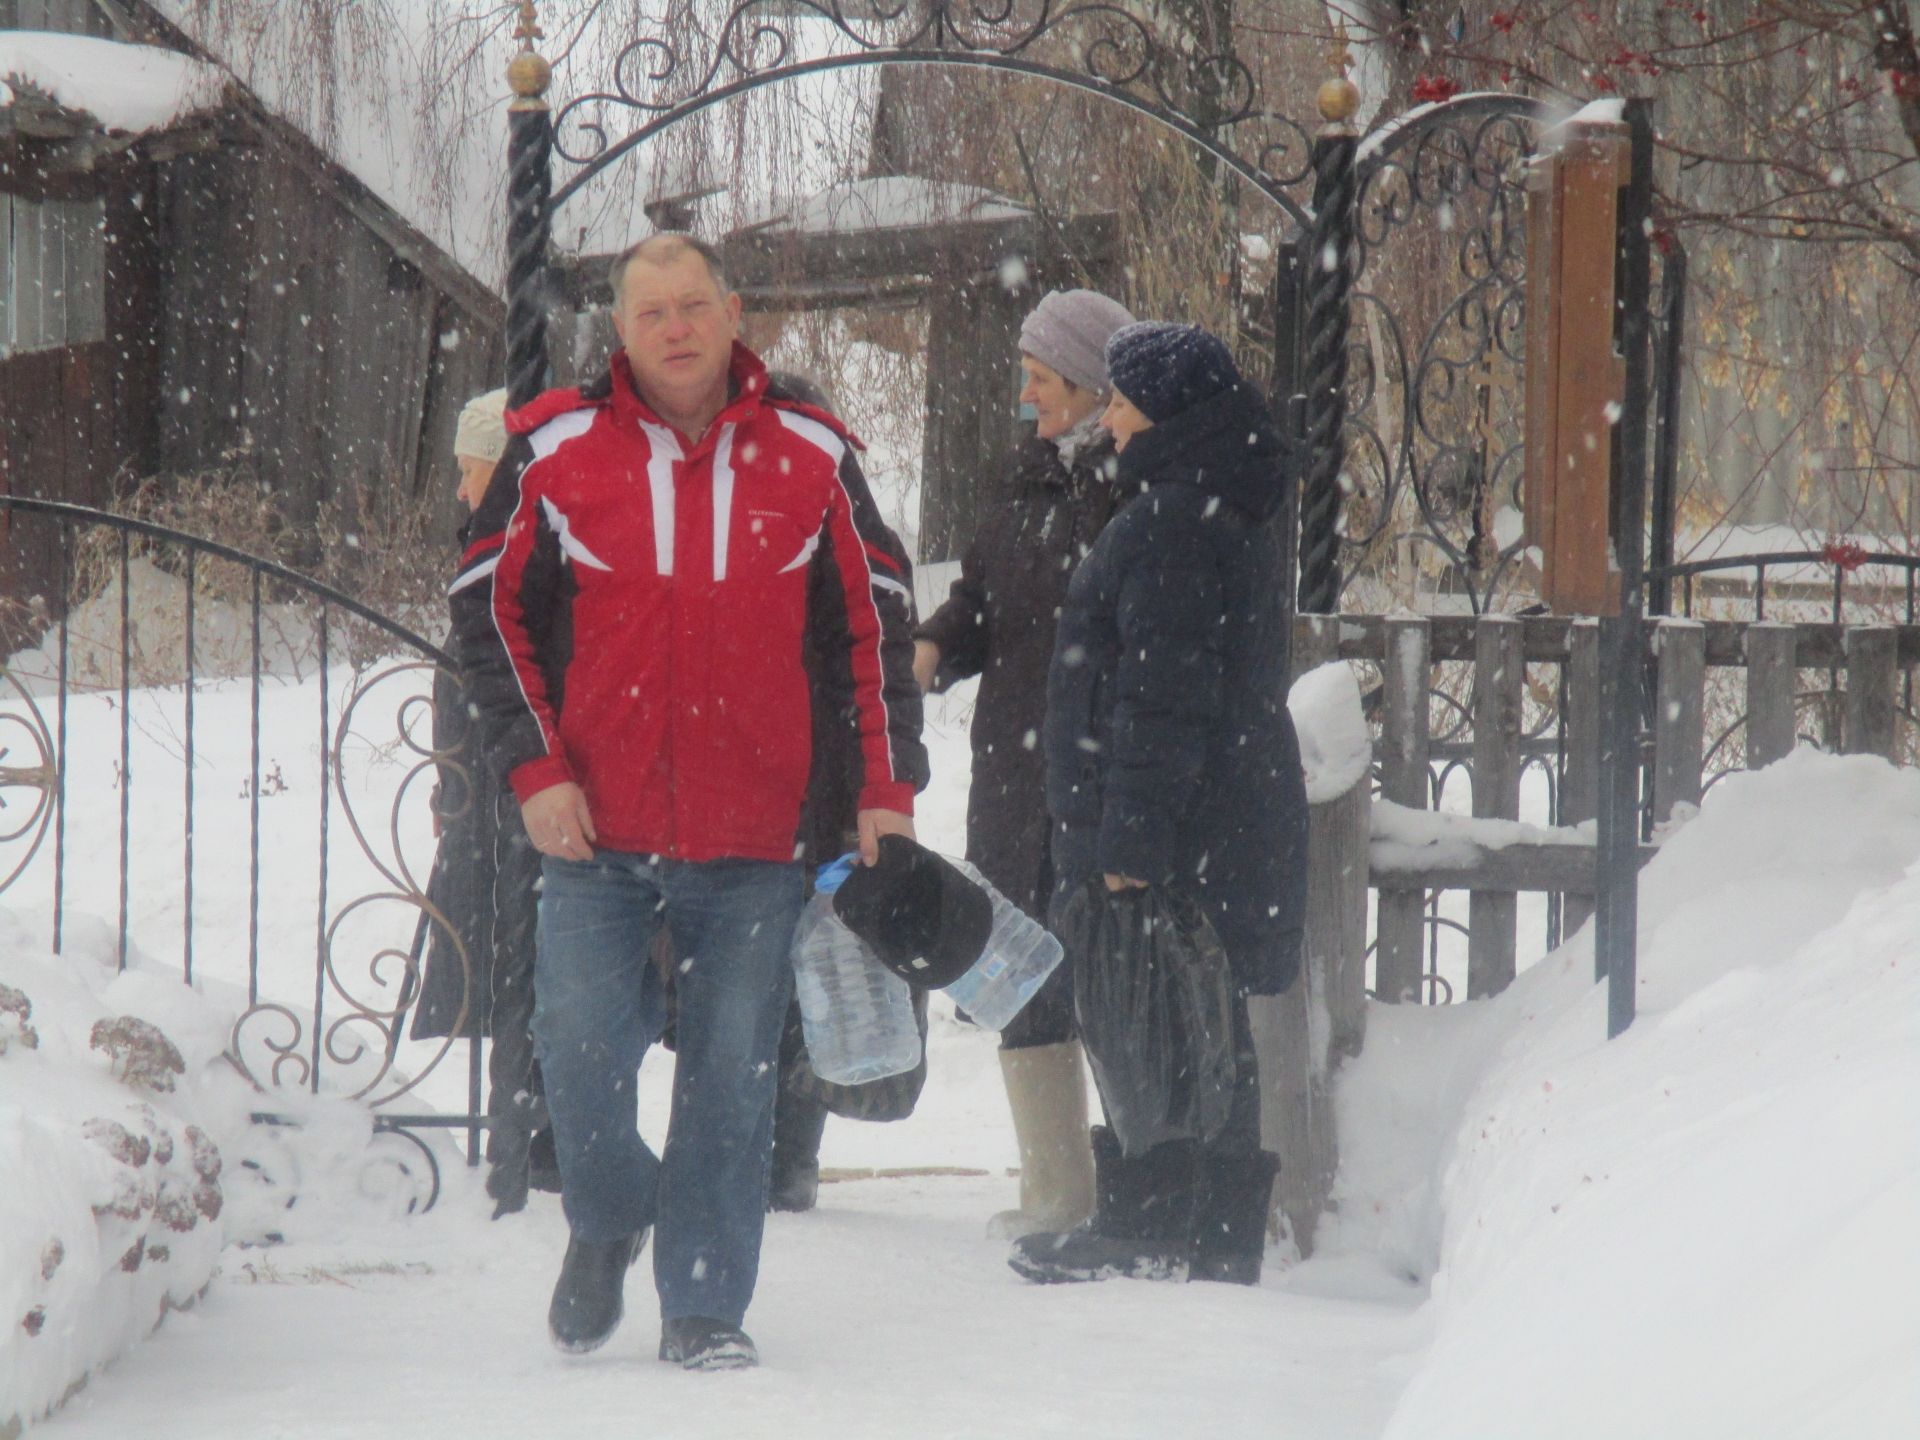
1046, 1019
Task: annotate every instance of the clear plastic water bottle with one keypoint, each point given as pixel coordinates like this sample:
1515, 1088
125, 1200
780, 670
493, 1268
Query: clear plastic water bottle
1021, 953
856, 1014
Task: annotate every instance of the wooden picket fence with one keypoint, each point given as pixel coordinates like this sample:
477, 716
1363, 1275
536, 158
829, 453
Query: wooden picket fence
1520, 691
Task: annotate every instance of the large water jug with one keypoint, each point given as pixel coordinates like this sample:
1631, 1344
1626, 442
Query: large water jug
856, 1014
1020, 954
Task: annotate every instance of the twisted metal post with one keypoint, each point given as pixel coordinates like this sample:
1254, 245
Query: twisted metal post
529, 184
1623, 647
1329, 289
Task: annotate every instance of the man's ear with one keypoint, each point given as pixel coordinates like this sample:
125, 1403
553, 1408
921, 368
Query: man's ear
733, 310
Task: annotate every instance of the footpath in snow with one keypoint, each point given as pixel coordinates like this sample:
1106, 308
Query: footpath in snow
1704, 1228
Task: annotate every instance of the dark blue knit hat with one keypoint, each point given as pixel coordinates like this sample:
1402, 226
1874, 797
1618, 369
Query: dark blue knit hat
1165, 368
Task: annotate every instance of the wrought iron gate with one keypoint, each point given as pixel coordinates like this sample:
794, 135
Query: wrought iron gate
1403, 391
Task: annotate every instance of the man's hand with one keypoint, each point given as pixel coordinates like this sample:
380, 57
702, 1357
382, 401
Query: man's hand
558, 823
926, 660
874, 824
1118, 883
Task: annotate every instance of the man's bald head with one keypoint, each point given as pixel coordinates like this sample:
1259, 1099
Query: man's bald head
666, 248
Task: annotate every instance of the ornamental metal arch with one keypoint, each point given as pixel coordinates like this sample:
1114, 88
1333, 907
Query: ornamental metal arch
1115, 56
1360, 191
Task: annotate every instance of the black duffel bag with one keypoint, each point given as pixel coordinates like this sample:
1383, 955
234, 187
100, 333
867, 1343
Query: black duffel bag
1153, 996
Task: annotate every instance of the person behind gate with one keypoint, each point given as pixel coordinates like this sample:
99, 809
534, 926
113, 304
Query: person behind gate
632, 613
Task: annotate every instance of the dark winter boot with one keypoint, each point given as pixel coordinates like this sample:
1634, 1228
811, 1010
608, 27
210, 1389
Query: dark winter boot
507, 1142
798, 1122
694, 1342
588, 1300
1142, 1225
543, 1162
1230, 1223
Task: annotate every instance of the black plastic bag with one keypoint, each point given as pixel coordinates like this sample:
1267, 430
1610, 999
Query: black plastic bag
1153, 996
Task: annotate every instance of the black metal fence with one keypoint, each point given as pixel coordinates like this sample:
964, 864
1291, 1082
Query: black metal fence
301, 892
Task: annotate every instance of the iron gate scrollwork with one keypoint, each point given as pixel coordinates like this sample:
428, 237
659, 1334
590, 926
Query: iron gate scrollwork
326, 1018
1434, 428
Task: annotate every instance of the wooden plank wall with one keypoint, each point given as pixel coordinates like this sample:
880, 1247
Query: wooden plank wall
295, 334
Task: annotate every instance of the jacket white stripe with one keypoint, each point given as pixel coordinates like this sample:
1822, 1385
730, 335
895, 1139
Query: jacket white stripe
879, 626
819, 434
513, 663
806, 551
722, 499
836, 450
570, 544
662, 452
479, 572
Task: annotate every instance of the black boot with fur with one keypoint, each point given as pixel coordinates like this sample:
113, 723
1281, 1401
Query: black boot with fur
1230, 1223
1142, 1225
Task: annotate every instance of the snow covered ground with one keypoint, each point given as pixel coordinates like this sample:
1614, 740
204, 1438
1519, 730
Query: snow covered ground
1704, 1228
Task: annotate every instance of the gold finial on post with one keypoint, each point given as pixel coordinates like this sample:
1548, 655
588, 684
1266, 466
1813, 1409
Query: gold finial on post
527, 72
1339, 98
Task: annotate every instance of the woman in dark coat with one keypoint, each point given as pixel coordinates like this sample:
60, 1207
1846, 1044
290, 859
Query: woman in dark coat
998, 623
1172, 761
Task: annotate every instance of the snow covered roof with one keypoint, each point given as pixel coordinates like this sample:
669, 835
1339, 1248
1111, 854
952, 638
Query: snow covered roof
130, 89
892, 202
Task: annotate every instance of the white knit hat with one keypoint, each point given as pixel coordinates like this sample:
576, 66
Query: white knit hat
482, 432
1068, 333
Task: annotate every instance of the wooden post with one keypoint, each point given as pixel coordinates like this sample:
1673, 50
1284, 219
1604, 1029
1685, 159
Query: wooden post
1679, 715
1405, 779
973, 325
1299, 1035
1499, 670
1872, 660
1575, 382
1772, 680
1580, 737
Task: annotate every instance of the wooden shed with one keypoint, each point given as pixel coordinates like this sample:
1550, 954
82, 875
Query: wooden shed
210, 290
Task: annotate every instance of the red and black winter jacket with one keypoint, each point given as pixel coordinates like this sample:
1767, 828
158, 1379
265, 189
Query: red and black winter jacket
639, 612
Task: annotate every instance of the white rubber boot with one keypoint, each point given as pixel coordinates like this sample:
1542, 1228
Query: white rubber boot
1047, 1090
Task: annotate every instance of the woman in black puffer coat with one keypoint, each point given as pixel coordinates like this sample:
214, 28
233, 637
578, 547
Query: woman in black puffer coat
1172, 761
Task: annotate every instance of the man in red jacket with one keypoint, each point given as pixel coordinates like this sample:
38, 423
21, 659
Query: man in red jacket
662, 560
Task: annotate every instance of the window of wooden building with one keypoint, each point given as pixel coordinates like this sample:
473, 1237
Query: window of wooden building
53, 258
70, 17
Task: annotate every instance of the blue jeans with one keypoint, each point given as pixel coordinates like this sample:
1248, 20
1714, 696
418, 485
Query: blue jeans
600, 1004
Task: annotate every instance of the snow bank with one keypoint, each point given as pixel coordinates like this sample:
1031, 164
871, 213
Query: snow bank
129, 88
1335, 747
117, 1099
1705, 1227
104, 1103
